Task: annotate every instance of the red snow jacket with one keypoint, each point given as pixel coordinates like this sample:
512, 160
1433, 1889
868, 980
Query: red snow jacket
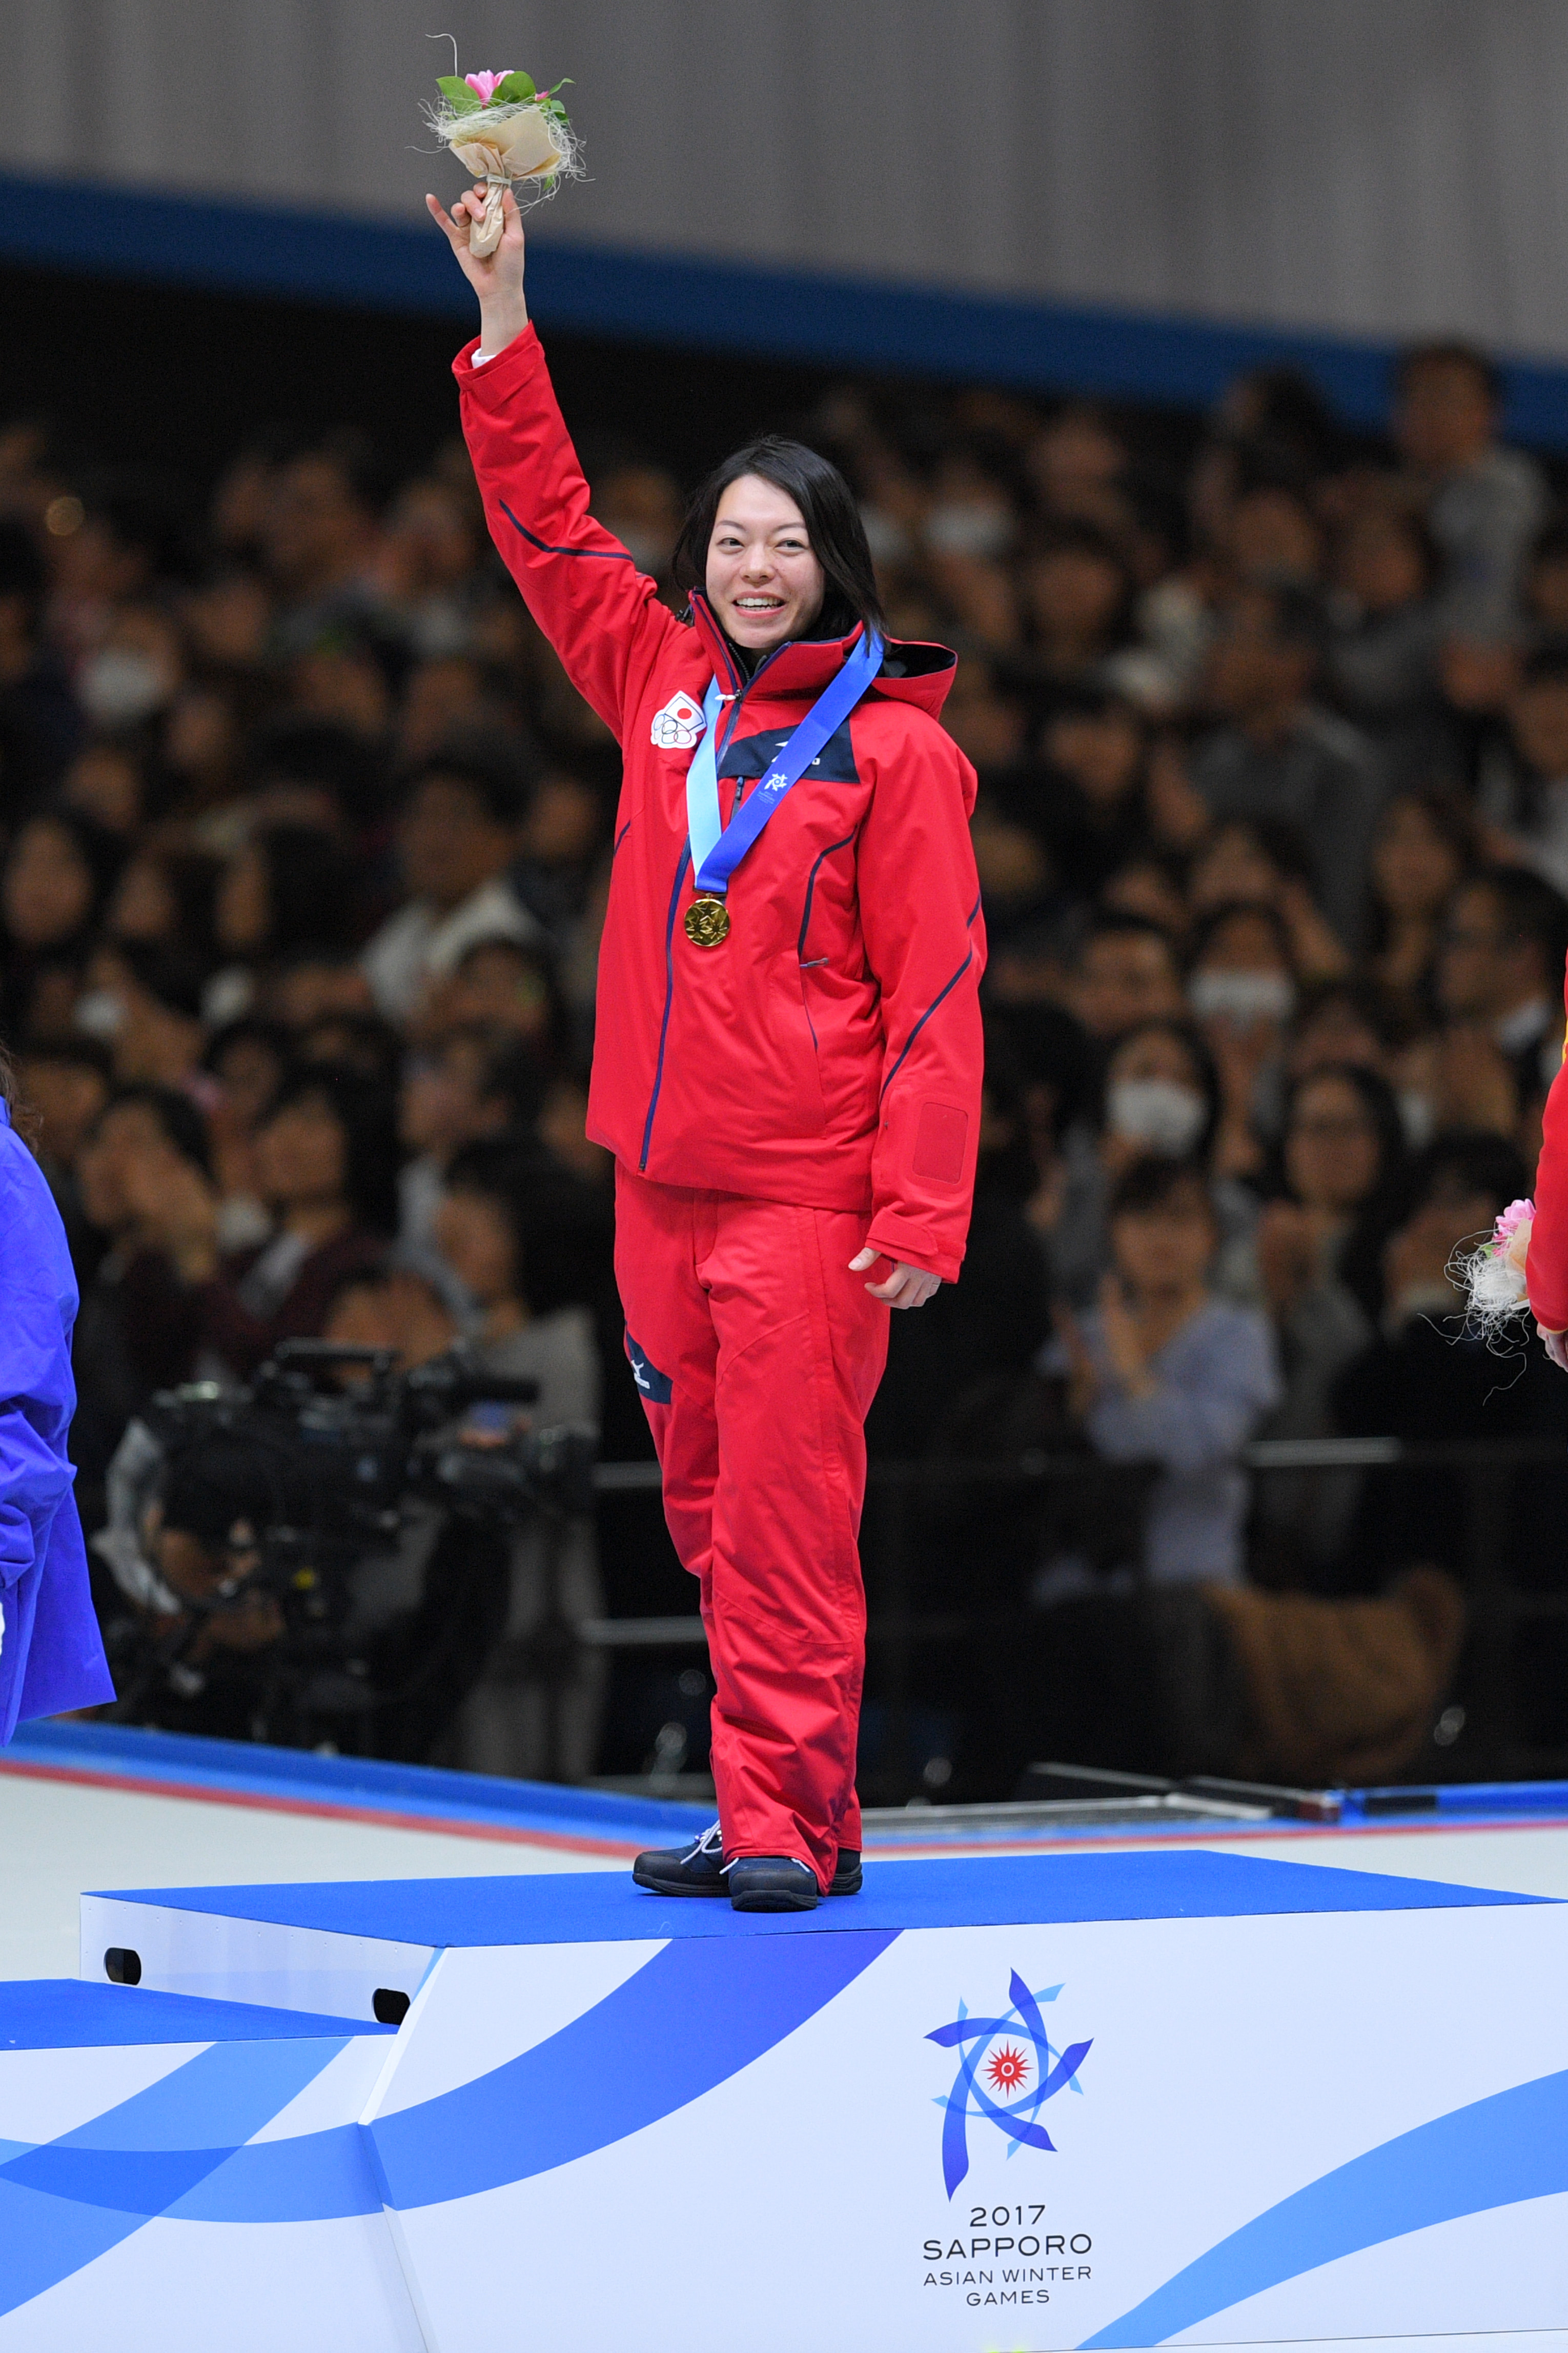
1546, 1266
829, 1052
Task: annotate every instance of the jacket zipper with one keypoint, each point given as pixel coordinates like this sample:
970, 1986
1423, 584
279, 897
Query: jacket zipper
724, 742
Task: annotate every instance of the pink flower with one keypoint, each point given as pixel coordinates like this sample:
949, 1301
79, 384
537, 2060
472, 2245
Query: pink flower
1517, 1213
485, 85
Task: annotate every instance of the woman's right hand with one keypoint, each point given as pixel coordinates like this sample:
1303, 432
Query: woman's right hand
498, 278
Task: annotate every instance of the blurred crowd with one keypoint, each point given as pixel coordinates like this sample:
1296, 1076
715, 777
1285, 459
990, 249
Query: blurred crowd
306, 841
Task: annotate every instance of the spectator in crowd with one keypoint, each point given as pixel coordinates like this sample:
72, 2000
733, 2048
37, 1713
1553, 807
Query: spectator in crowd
1094, 813
1500, 970
1266, 863
143, 1002
1523, 787
317, 534
1381, 669
562, 837
1546, 586
1161, 1096
290, 888
459, 830
1078, 594
40, 719
58, 873
1422, 1377
1242, 988
510, 989
1277, 753
326, 1162
164, 898
1126, 972
986, 1330
65, 1083
498, 1226
1424, 846
1341, 1157
1163, 1371
140, 1327
1484, 504
466, 1086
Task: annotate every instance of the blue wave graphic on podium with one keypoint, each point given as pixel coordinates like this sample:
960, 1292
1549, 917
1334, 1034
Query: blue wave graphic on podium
1496, 2152
695, 2014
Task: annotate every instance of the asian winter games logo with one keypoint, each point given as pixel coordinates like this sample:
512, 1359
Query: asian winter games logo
1007, 2070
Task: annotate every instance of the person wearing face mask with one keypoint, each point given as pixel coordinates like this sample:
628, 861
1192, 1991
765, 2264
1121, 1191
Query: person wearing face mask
1162, 1099
134, 673
970, 516
787, 1055
1242, 991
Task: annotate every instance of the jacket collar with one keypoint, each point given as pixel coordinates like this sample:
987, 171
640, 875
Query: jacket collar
799, 670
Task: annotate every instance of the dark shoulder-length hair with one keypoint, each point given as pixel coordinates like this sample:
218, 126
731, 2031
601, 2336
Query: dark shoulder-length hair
828, 510
366, 1111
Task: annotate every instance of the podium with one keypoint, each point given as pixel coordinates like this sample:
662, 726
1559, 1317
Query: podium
1124, 2099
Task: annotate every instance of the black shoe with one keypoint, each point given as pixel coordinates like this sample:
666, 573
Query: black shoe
695, 1870
698, 1869
770, 1883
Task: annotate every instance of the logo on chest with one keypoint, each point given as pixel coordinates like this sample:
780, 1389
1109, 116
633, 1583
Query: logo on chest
679, 726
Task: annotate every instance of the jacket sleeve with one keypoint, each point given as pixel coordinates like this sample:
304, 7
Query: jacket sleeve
1546, 1267
37, 1395
599, 612
925, 944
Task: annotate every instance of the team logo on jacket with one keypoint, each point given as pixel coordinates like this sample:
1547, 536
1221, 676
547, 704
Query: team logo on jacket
679, 725
1007, 2070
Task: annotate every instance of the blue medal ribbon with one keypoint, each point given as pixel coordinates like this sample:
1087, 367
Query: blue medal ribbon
718, 849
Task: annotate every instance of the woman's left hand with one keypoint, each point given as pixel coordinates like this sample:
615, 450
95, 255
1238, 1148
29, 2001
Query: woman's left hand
907, 1286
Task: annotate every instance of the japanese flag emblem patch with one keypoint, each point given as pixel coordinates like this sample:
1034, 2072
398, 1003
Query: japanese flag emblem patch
679, 725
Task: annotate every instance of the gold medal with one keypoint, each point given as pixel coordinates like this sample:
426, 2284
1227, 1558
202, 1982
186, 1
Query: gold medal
707, 922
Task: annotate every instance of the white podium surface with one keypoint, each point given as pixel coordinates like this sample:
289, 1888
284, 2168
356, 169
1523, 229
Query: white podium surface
1185, 2096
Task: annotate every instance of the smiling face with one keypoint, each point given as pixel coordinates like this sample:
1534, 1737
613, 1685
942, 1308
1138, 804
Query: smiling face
763, 580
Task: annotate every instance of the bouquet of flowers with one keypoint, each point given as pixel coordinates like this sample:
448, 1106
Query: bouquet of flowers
505, 131
1494, 1274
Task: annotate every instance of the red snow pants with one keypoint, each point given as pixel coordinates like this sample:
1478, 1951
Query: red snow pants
757, 1354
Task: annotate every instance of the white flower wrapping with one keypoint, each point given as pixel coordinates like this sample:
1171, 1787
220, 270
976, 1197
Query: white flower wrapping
514, 144
1493, 1277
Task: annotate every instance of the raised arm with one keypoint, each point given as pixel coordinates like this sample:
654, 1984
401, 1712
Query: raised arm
602, 616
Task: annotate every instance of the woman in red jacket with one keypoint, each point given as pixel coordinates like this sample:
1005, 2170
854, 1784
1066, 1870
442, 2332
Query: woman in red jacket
787, 1056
